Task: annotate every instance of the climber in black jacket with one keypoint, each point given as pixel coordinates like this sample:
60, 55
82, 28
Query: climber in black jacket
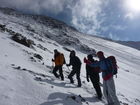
75, 62
93, 74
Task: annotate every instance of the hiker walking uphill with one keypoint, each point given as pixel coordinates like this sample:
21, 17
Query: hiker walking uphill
93, 74
59, 60
76, 67
106, 68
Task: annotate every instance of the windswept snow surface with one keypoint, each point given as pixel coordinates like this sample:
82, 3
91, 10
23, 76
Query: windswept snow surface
26, 81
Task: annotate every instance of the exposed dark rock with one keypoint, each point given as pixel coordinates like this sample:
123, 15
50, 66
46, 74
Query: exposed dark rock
2, 27
32, 59
12, 64
38, 56
24, 69
30, 28
67, 49
87, 50
22, 40
17, 67
41, 47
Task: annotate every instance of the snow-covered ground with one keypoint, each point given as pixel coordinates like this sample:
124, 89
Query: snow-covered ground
27, 81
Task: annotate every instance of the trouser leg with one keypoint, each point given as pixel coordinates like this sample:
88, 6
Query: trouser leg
61, 73
96, 85
55, 70
106, 94
112, 91
71, 75
78, 79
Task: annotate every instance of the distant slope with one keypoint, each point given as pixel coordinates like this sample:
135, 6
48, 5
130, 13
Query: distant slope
132, 44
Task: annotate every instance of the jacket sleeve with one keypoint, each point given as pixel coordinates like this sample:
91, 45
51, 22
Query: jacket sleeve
70, 62
87, 70
96, 64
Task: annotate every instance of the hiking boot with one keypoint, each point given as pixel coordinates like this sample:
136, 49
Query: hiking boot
78, 85
111, 103
71, 80
62, 79
100, 98
57, 76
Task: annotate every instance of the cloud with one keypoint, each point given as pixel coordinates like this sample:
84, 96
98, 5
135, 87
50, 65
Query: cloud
113, 37
98, 17
118, 27
129, 16
85, 15
35, 6
54, 6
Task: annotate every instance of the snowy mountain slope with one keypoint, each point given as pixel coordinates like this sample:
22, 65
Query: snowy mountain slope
44, 27
27, 80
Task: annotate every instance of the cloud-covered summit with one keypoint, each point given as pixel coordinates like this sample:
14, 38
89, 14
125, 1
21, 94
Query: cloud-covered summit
35, 6
81, 12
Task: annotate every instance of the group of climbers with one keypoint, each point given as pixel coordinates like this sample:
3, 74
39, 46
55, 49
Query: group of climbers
93, 68
75, 62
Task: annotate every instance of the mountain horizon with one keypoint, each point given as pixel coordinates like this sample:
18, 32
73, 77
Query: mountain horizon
116, 20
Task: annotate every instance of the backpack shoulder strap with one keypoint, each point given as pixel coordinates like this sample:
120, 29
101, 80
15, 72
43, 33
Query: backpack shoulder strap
106, 60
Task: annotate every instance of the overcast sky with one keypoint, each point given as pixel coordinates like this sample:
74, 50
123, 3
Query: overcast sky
116, 19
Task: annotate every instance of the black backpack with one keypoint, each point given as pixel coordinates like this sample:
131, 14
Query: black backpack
64, 59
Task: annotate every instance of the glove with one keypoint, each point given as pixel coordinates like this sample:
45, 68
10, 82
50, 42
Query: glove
52, 60
86, 61
67, 65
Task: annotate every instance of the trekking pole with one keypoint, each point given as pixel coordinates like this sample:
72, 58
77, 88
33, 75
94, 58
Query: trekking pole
52, 65
117, 68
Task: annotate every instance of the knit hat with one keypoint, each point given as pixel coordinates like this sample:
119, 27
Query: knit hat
100, 54
90, 56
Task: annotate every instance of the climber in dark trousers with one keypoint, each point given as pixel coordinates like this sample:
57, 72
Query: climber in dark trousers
109, 89
75, 62
59, 60
93, 74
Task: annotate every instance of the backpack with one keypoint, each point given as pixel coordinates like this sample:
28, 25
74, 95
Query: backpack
64, 62
113, 64
96, 69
